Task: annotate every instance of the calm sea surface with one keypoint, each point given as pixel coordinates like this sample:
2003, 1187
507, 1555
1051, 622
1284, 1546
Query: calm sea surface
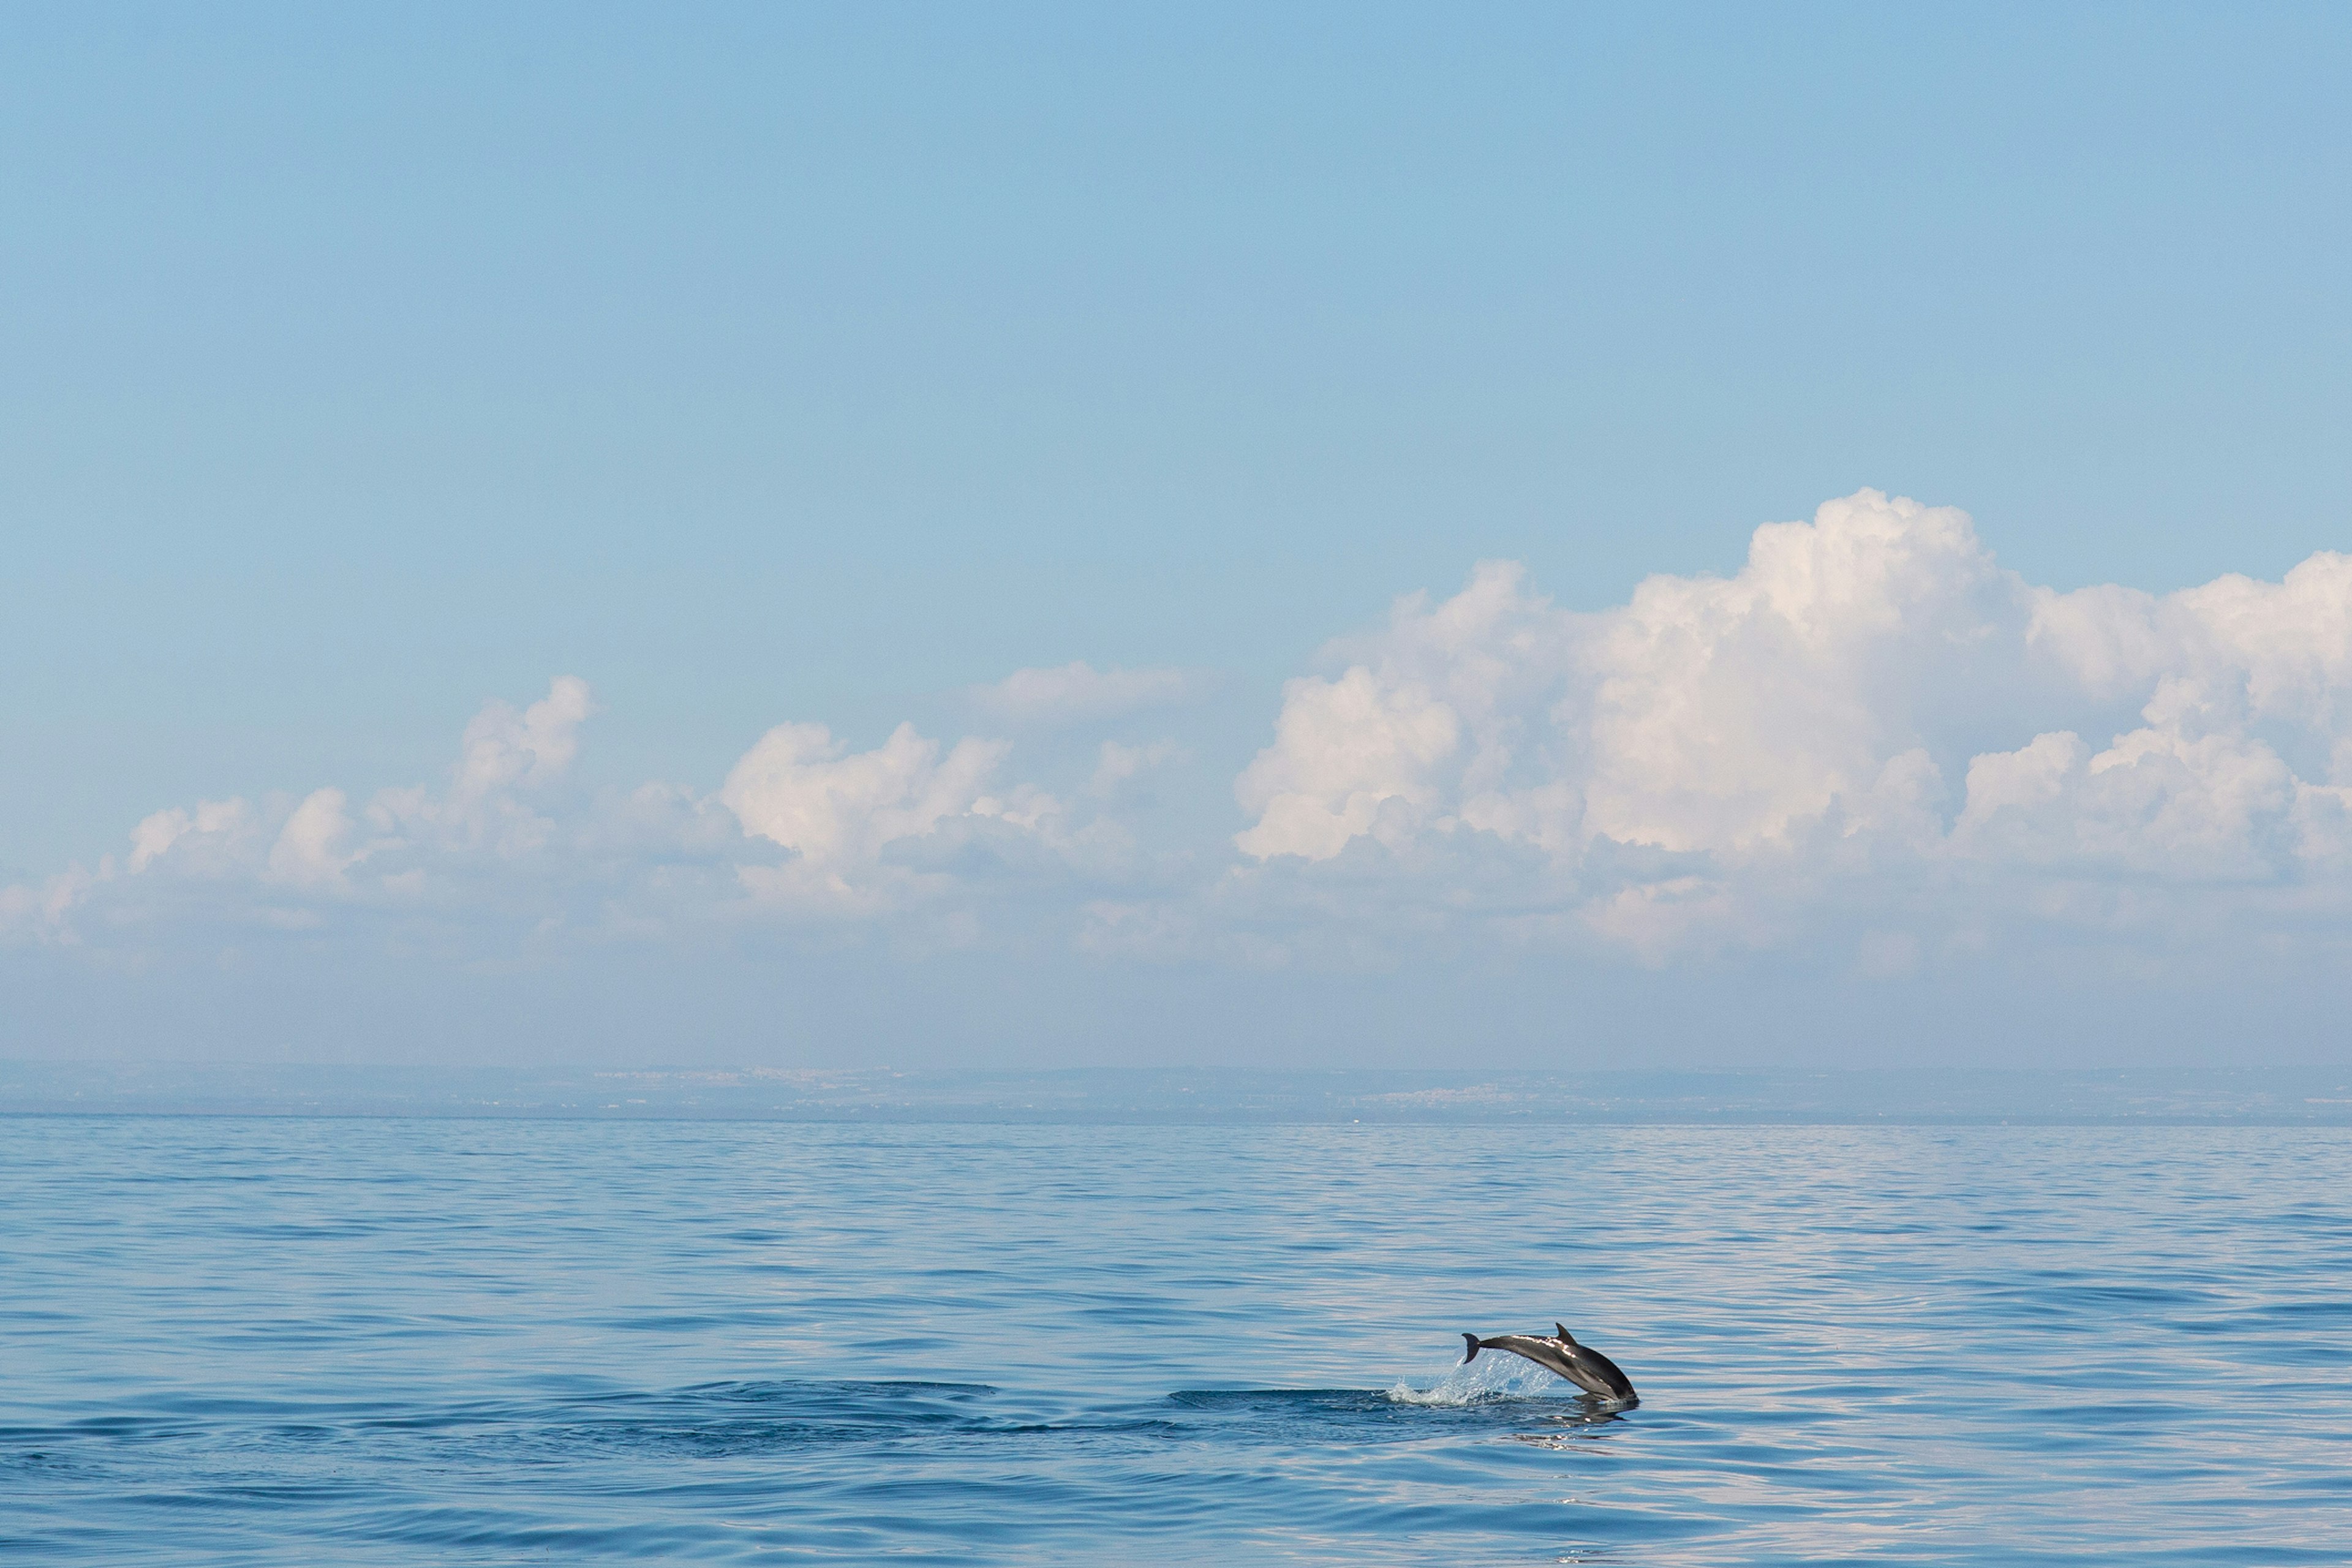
287, 1340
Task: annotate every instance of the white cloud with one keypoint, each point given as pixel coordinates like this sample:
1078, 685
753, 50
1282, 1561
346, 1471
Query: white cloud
263, 860
1343, 749
802, 825
1709, 714
215, 836
41, 913
1871, 738
1079, 693
1434, 719
309, 850
838, 811
504, 749
803, 789
1786, 737
1723, 713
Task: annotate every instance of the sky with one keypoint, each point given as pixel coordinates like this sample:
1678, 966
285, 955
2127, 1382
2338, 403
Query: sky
1023, 536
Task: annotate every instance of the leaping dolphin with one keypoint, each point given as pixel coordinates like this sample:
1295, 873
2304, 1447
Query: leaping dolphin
1580, 1364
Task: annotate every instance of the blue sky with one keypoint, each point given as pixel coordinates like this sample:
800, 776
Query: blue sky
828, 366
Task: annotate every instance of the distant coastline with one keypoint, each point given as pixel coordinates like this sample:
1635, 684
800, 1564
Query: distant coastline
1211, 1097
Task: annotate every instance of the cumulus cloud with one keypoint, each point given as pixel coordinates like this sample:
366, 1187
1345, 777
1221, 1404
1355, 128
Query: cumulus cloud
310, 849
1079, 693
1344, 749
273, 859
1870, 738
40, 912
838, 811
801, 823
504, 749
803, 789
216, 835
1792, 735
1709, 714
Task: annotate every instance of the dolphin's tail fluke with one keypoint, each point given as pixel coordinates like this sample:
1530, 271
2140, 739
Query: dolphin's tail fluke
1472, 1341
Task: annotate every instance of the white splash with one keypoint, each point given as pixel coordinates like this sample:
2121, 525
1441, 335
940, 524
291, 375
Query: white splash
1497, 1375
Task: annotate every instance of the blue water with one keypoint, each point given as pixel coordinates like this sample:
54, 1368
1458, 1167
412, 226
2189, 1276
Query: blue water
285, 1341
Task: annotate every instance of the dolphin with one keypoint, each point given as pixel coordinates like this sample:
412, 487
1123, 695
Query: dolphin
1580, 1364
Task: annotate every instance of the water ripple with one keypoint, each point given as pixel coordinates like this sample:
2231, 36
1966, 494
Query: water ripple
286, 1341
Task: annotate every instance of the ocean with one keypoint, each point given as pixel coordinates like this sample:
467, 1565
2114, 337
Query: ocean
313, 1339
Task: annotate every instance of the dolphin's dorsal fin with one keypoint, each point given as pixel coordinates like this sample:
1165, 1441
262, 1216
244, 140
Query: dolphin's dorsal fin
1565, 1337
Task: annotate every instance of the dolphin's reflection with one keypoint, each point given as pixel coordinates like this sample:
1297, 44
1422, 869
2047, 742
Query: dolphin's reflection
1587, 1420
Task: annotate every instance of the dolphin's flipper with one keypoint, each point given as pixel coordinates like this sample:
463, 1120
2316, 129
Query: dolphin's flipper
1472, 1341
